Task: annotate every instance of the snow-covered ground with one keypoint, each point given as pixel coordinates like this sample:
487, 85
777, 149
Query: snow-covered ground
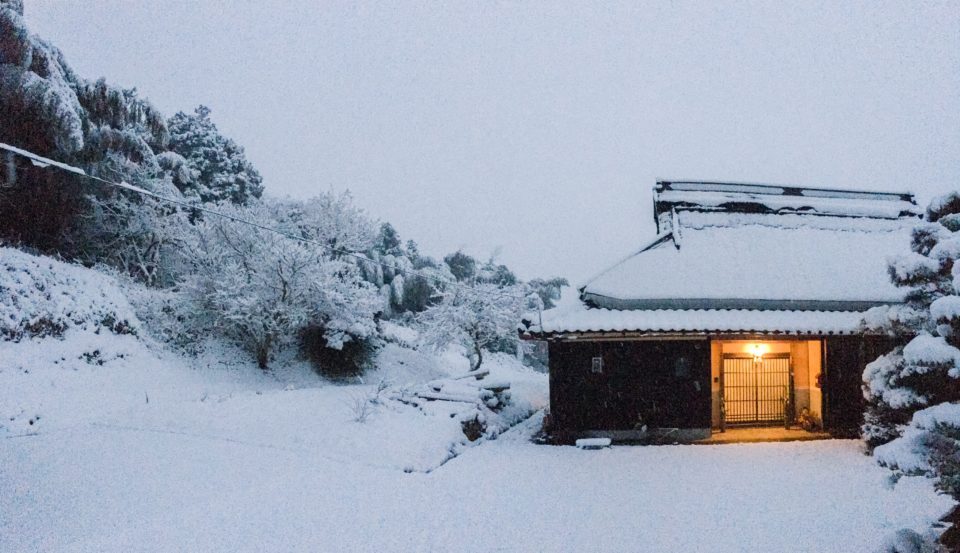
154, 452
113, 443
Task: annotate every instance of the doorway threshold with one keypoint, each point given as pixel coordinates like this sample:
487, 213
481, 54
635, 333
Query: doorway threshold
762, 434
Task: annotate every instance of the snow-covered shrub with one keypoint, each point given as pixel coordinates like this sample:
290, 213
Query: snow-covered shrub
41, 296
909, 541
169, 315
138, 235
349, 358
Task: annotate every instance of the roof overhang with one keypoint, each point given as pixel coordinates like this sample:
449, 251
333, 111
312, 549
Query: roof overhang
583, 322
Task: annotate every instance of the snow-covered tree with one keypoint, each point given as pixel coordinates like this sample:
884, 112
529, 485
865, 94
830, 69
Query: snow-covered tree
262, 288
913, 392
462, 265
548, 290
48, 109
388, 241
496, 273
474, 316
924, 371
219, 169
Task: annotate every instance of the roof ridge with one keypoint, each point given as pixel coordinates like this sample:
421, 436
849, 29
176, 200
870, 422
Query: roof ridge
781, 189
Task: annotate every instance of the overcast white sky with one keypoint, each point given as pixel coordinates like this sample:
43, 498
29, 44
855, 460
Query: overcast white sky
541, 128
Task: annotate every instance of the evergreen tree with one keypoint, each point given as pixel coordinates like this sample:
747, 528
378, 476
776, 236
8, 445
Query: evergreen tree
388, 241
462, 266
48, 109
219, 167
548, 290
913, 392
922, 372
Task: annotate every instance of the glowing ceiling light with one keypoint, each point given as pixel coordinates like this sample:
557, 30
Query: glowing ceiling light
758, 350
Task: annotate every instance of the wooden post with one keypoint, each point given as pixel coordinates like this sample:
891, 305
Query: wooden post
11, 166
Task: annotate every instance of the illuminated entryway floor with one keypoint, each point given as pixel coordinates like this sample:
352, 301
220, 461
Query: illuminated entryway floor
763, 434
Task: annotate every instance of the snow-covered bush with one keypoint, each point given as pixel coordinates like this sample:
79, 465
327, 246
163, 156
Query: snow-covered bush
168, 314
41, 296
909, 541
139, 236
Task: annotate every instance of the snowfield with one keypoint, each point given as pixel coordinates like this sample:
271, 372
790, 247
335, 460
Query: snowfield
150, 451
111, 442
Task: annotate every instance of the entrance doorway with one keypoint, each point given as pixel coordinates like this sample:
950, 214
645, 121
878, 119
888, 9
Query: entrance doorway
756, 390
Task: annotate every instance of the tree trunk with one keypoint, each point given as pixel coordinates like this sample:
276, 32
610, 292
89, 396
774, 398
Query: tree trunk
478, 354
263, 353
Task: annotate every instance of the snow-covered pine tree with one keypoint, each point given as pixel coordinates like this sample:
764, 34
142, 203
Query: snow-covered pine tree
924, 371
219, 167
913, 392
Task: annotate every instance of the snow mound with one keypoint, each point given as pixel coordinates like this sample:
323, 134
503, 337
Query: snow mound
42, 296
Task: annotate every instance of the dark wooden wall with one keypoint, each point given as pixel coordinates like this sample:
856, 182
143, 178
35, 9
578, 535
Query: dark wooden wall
844, 359
665, 383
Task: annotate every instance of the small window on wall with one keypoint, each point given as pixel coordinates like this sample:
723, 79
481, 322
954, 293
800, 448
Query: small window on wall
596, 367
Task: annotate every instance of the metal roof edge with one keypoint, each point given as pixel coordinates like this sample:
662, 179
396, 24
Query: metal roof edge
727, 334
651, 304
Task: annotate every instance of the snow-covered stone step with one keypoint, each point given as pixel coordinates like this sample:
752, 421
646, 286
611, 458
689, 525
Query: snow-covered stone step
593, 443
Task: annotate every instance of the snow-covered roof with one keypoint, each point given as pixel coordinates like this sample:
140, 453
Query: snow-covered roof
831, 257
583, 319
751, 258
757, 261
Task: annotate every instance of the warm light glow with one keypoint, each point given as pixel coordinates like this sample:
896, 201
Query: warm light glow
758, 350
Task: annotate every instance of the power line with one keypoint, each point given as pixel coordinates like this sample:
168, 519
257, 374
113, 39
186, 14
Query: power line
45, 162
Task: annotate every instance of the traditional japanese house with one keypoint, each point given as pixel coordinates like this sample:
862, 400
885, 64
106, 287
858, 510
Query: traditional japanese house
746, 308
